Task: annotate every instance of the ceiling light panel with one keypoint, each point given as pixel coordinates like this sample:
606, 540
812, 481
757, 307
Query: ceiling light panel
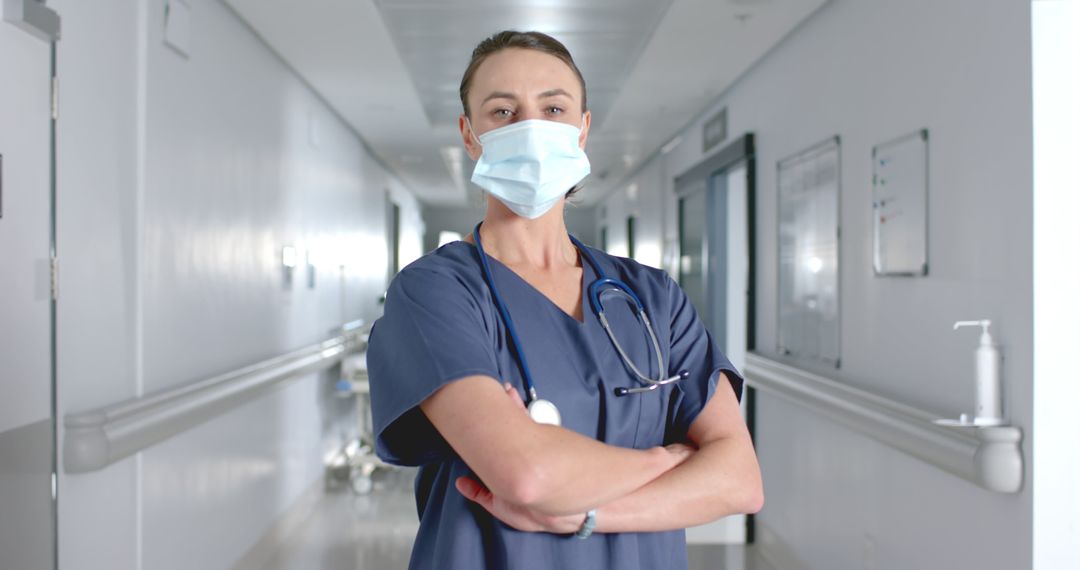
391, 68
435, 40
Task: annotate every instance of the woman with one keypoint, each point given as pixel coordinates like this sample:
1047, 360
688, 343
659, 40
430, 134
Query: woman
589, 476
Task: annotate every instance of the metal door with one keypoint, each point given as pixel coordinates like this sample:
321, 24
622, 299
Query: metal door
714, 272
27, 427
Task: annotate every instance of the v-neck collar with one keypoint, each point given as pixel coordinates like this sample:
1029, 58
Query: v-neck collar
583, 300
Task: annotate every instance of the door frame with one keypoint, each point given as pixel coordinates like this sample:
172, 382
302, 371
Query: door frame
741, 150
42, 22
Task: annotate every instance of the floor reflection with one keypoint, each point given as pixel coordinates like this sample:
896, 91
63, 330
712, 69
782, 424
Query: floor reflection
375, 532
356, 532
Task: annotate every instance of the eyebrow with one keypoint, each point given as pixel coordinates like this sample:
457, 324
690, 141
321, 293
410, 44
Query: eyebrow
555, 92
499, 95
504, 95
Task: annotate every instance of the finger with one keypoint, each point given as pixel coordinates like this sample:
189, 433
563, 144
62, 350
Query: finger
474, 491
479, 494
513, 393
681, 453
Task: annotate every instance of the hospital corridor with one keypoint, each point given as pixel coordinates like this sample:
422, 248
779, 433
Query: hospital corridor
539, 284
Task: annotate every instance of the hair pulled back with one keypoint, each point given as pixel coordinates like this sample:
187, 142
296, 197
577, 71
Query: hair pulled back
513, 39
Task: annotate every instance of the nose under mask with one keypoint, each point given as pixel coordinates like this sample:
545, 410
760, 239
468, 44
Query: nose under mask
530, 165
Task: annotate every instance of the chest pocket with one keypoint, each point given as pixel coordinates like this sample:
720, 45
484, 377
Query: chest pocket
643, 415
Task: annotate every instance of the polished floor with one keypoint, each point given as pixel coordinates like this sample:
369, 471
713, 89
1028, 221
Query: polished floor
375, 531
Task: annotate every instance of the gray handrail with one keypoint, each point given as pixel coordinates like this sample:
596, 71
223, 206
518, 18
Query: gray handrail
94, 439
988, 456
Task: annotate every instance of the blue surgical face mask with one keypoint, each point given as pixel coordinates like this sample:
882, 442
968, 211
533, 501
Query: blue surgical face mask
530, 165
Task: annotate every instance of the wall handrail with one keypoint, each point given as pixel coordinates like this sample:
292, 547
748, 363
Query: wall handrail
94, 439
987, 456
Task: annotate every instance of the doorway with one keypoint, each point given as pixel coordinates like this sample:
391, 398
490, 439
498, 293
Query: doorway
715, 269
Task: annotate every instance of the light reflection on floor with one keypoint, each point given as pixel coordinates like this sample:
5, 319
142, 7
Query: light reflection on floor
375, 532
356, 532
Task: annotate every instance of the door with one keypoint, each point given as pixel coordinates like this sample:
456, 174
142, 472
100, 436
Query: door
27, 442
714, 271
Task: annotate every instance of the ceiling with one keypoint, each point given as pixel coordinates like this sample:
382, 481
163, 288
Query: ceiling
391, 69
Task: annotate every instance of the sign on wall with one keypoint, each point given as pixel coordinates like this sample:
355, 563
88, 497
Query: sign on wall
809, 254
714, 131
901, 185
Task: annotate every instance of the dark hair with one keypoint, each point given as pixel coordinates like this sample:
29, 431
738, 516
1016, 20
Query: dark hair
512, 39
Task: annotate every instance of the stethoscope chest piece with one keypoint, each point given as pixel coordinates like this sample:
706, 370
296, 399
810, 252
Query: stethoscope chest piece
544, 412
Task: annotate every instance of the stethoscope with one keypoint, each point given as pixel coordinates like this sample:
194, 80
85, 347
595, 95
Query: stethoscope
544, 411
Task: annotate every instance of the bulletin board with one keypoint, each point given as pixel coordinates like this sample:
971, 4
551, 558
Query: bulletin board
809, 254
900, 192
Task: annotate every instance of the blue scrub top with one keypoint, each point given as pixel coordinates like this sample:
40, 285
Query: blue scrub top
440, 324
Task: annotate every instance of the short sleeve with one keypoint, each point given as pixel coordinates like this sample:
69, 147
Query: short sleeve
432, 332
693, 350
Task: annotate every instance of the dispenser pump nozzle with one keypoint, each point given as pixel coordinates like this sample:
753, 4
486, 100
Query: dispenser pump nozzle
985, 338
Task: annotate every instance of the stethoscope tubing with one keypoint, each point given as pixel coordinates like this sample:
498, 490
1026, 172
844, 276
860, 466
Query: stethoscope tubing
505, 313
597, 306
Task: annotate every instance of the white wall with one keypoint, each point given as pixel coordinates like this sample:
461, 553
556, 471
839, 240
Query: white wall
1056, 88
180, 180
869, 71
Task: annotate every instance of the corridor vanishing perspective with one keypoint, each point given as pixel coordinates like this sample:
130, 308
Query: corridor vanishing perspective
761, 284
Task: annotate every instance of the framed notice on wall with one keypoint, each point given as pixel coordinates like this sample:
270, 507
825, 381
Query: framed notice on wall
901, 187
809, 254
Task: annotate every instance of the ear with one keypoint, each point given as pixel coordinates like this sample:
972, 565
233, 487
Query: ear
469, 138
586, 120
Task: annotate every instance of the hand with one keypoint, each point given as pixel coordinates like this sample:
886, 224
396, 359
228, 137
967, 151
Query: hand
524, 519
512, 393
675, 454
679, 452
516, 516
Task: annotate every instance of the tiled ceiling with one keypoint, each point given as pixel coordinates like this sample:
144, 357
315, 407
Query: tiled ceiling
436, 38
391, 69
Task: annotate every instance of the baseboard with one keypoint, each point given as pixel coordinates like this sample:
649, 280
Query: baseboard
770, 547
275, 537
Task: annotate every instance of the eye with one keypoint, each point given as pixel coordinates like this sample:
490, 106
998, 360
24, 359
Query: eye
555, 110
502, 113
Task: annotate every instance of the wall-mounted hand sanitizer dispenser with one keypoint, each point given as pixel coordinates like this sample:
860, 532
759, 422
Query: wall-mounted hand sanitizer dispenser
988, 402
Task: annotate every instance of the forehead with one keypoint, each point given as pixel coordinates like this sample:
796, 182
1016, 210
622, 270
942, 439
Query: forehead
525, 72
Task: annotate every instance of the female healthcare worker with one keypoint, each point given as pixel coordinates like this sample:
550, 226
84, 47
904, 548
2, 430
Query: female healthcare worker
566, 407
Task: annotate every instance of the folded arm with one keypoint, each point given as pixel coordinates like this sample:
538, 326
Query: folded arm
547, 469
720, 479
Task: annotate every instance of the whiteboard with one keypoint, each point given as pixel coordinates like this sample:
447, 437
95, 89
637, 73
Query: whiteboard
809, 254
900, 190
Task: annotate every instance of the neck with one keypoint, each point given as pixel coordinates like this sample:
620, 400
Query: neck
542, 243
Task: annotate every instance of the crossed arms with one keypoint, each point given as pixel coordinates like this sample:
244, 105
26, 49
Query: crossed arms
542, 478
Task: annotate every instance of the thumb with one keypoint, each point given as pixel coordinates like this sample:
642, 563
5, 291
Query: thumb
469, 487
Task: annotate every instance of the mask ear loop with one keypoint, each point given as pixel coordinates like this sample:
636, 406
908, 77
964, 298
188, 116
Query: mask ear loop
472, 133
